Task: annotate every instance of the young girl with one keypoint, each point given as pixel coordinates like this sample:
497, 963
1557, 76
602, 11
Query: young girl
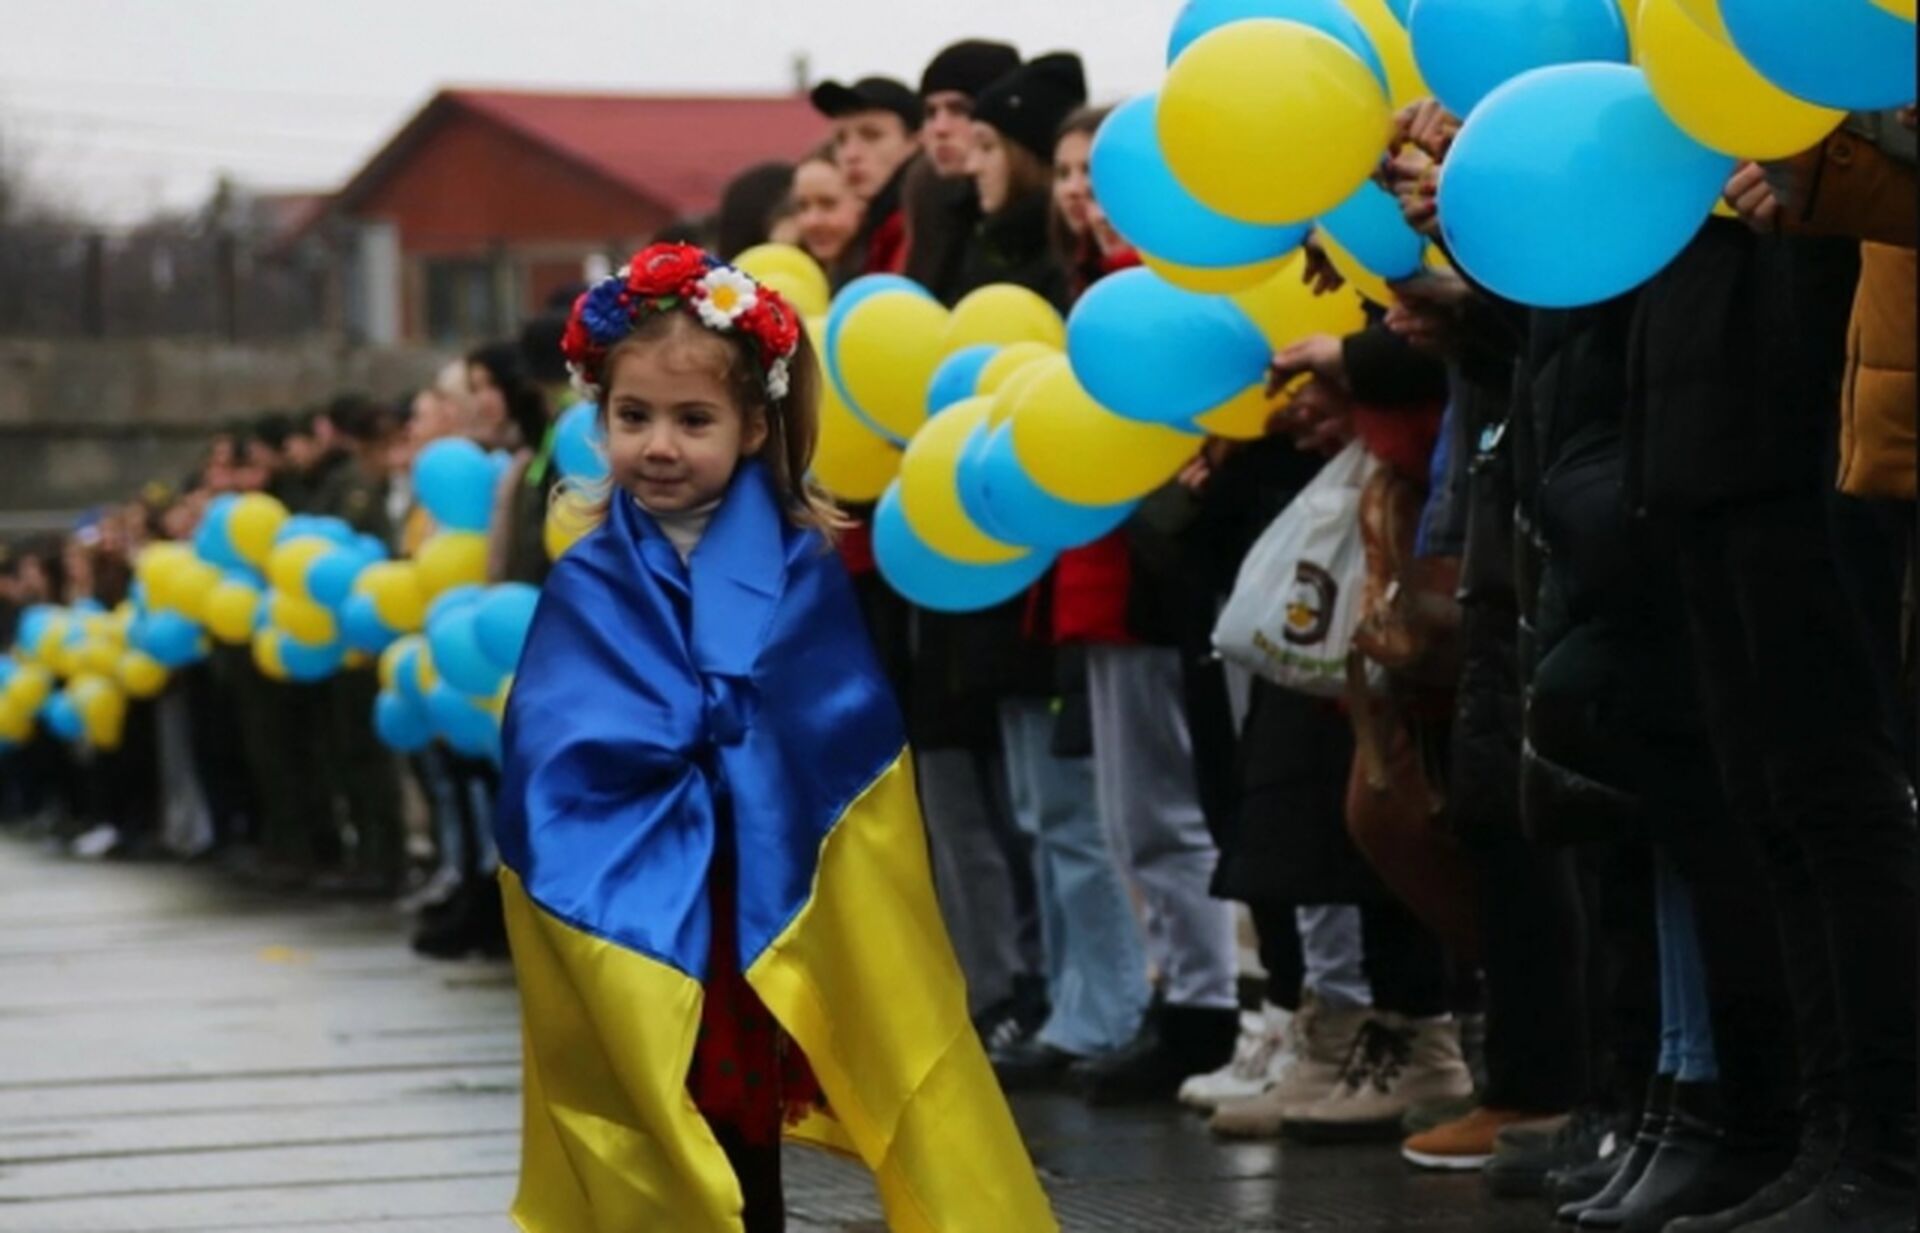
715, 874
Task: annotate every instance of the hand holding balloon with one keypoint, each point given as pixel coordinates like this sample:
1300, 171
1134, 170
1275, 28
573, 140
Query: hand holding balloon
1320, 355
1753, 199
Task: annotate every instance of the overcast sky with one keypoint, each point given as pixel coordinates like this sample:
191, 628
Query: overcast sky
119, 107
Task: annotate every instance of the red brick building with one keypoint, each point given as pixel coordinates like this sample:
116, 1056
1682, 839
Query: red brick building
488, 200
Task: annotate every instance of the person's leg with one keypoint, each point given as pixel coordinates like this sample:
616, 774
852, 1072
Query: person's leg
369, 779
1334, 955
1536, 1006
1172, 851
969, 873
1283, 952
757, 1167
1098, 986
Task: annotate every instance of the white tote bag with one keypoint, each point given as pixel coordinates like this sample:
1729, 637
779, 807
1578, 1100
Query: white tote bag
1296, 602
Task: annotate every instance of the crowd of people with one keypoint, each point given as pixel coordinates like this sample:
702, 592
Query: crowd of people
1608, 891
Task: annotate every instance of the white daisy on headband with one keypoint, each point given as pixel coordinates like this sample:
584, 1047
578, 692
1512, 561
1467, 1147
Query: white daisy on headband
723, 295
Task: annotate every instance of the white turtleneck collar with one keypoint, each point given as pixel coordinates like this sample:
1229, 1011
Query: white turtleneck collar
683, 528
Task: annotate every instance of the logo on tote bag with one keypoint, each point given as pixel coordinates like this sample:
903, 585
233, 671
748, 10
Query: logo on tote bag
1310, 604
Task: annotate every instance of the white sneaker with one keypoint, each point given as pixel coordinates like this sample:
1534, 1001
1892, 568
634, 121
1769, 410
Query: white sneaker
1260, 1056
96, 843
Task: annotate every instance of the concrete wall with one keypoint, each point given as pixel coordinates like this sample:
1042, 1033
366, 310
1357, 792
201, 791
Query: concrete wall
88, 421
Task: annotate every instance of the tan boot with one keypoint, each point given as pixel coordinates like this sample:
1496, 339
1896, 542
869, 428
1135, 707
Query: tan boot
1393, 1066
1322, 1037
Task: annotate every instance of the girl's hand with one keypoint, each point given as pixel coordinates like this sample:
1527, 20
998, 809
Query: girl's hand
1753, 199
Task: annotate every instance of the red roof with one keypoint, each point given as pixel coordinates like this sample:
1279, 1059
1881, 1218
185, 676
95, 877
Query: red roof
678, 150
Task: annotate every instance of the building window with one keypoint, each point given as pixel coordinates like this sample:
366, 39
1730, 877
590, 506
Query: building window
462, 301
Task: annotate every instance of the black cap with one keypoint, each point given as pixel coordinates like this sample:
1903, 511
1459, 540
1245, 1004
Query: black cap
969, 67
833, 100
1029, 104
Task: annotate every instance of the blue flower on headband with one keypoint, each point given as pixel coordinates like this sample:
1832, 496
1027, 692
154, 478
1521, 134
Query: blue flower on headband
606, 318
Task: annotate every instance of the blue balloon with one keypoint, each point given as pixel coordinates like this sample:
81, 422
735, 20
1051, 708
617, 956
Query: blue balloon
463, 724
307, 526
1465, 48
1329, 17
168, 637
957, 376
1019, 510
1399, 9
457, 656
331, 577
401, 723
452, 600
62, 717
1149, 350
501, 621
579, 447
406, 673
1571, 186
941, 583
33, 625
1136, 188
311, 663
372, 547
1370, 226
1850, 54
210, 541
455, 480
361, 627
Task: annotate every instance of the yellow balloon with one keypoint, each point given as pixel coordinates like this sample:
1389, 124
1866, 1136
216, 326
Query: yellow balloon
356, 661
568, 522
800, 292
99, 658
1000, 314
1716, 97
251, 525
497, 705
852, 462
1241, 418
102, 627
156, 559
1272, 121
394, 587
16, 722
1286, 310
1213, 281
1899, 8
792, 272
30, 687
1395, 48
287, 564
266, 655
1079, 451
191, 584
425, 675
1706, 15
301, 619
887, 349
451, 559
53, 639
930, 498
1008, 390
1009, 360
230, 611
141, 675
1365, 282
102, 708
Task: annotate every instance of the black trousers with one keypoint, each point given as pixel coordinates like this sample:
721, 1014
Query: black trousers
1810, 766
1404, 962
1537, 1038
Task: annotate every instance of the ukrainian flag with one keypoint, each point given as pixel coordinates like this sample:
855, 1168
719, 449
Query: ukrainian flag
654, 700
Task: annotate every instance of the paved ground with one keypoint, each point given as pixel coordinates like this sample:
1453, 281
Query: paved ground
181, 1054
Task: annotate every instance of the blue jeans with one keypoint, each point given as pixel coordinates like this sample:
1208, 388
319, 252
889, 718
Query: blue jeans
1686, 1023
1096, 967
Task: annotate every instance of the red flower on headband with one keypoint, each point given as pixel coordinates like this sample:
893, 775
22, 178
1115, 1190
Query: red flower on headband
772, 323
577, 344
665, 269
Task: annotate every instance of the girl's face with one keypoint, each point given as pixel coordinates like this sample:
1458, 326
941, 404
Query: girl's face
675, 434
987, 164
826, 210
1072, 186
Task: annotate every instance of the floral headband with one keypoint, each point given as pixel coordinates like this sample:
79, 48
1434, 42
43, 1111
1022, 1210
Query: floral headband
665, 277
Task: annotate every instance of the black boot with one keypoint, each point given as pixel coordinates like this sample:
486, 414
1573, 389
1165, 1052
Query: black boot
1700, 1166
757, 1167
1176, 1042
471, 920
1820, 1134
1634, 1161
1850, 1199
1031, 1063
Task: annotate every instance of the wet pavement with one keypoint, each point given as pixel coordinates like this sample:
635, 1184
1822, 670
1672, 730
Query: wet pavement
182, 1054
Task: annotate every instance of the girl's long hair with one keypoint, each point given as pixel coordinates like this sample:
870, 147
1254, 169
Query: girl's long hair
793, 422
1079, 255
